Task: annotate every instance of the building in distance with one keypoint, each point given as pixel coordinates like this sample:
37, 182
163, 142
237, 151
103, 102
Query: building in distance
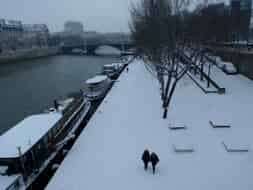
241, 16
10, 33
36, 35
73, 27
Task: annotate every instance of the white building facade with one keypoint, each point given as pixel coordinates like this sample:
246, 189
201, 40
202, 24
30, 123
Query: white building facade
10, 34
36, 35
16, 35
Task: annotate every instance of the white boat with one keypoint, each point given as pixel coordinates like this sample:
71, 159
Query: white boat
96, 87
28, 148
118, 66
110, 70
113, 70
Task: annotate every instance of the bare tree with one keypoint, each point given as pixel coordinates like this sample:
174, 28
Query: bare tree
158, 31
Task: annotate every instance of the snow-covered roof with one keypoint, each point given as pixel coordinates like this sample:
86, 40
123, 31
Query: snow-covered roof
6, 181
107, 155
109, 65
96, 79
26, 133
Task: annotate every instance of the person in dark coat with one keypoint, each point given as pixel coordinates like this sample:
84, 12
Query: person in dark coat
154, 160
145, 158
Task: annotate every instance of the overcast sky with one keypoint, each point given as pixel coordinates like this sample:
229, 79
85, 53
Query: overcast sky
100, 15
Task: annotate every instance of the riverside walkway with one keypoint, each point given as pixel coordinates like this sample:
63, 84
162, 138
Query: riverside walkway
107, 155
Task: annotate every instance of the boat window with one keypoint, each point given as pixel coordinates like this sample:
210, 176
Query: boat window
95, 87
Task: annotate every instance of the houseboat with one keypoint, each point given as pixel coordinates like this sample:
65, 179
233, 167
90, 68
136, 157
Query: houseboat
95, 88
110, 70
28, 148
113, 70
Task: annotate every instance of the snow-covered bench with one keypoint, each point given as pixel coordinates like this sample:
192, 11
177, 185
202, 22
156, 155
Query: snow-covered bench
177, 127
218, 126
183, 148
235, 147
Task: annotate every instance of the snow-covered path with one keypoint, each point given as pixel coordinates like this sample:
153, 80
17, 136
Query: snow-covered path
107, 154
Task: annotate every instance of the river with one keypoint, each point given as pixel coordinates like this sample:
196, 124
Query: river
29, 87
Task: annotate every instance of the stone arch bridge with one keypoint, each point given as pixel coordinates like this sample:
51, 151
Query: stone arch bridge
91, 48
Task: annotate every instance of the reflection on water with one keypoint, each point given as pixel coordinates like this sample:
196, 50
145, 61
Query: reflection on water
29, 87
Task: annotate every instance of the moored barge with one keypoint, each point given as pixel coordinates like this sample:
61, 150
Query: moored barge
28, 148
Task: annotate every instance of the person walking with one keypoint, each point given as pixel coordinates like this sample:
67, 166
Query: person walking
145, 158
154, 160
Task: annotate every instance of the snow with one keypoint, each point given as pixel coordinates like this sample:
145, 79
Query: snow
6, 181
96, 79
26, 133
107, 155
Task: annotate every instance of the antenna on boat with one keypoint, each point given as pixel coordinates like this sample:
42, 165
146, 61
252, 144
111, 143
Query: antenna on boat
33, 157
22, 162
56, 105
19, 151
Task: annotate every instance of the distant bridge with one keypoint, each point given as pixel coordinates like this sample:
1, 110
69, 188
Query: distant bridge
91, 47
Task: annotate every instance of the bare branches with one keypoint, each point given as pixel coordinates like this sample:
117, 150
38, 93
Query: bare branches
161, 29
178, 6
157, 29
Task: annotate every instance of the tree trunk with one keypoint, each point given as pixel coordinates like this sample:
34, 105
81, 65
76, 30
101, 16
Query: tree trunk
209, 73
171, 93
201, 72
168, 83
162, 86
202, 68
165, 112
167, 90
169, 99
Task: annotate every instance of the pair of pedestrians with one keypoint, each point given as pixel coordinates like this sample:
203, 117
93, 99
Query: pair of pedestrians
147, 157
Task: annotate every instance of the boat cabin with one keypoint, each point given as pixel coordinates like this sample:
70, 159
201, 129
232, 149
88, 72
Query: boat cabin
24, 147
112, 70
96, 87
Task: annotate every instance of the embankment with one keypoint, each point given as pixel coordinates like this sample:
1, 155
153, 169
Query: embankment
33, 53
242, 59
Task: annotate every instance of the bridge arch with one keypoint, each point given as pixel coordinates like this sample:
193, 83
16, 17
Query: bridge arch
90, 48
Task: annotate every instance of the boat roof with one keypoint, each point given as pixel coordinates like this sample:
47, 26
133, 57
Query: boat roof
117, 63
26, 133
96, 79
6, 181
109, 65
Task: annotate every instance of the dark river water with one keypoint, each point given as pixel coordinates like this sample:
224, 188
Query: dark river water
29, 87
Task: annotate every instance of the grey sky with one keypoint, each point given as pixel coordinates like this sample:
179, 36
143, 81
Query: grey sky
100, 15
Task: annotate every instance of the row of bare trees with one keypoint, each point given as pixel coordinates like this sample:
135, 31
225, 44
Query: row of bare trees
158, 31
162, 29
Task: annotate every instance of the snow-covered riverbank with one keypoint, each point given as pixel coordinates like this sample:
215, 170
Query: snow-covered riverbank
107, 154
